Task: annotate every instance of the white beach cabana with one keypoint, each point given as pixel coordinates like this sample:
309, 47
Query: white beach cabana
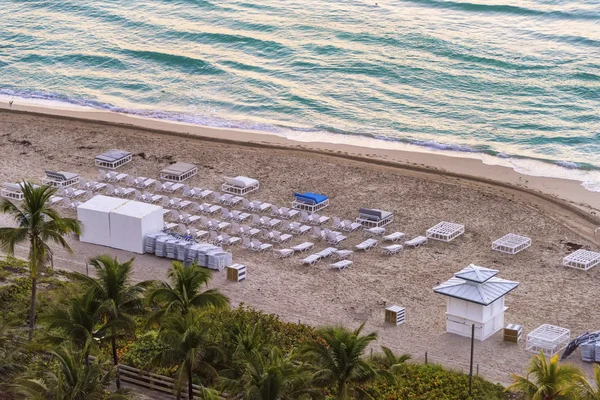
113, 159
12, 191
511, 243
178, 172
309, 201
547, 338
240, 185
60, 179
475, 296
582, 259
445, 231
374, 218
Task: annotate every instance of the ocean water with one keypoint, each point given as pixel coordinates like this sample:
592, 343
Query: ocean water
516, 79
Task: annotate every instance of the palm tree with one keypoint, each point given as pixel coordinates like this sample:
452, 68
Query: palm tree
71, 380
185, 291
76, 323
40, 225
389, 364
588, 391
186, 337
338, 357
119, 298
268, 375
548, 380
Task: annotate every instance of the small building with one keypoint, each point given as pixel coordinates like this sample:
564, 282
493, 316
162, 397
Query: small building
113, 159
178, 172
309, 201
60, 179
240, 185
475, 296
374, 218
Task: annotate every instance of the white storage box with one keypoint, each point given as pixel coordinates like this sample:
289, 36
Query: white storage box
94, 215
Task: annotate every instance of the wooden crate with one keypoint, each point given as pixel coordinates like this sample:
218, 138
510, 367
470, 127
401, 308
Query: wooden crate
236, 272
513, 333
395, 315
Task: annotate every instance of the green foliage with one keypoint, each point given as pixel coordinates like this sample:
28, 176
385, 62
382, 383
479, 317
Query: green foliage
145, 348
284, 335
429, 382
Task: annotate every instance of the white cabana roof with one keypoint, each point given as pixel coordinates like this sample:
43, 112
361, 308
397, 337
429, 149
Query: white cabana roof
61, 175
241, 181
178, 168
113, 155
480, 293
475, 273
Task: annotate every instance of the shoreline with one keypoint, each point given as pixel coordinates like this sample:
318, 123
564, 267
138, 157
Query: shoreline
451, 165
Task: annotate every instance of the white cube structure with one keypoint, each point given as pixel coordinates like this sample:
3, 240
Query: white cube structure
445, 231
582, 259
549, 339
475, 296
511, 243
131, 222
94, 215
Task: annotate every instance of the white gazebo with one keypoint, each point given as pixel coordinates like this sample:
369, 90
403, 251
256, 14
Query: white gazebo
60, 179
582, 259
445, 231
113, 159
511, 243
178, 172
475, 296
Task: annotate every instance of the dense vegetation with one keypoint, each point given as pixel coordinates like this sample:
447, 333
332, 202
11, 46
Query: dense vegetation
182, 329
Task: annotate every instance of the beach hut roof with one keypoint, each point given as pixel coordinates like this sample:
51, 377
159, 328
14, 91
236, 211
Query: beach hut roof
475, 273
113, 155
311, 197
178, 168
61, 175
480, 293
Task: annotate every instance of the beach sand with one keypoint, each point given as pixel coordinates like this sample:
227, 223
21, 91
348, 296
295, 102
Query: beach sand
422, 190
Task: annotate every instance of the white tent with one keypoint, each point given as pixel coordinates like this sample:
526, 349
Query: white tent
94, 215
131, 222
475, 296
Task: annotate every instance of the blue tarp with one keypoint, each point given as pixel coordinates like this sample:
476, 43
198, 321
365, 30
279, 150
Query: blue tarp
309, 197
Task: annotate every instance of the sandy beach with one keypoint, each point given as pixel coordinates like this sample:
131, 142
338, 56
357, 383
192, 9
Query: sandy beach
421, 188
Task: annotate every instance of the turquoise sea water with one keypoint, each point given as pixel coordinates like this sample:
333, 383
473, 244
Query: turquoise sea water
514, 78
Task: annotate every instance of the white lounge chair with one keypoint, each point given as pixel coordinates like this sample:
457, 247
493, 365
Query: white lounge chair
393, 237
328, 252
391, 250
229, 240
342, 254
300, 229
317, 219
312, 259
341, 265
278, 237
367, 244
248, 231
350, 226
334, 238
283, 253
416, 242
376, 231
337, 223
303, 246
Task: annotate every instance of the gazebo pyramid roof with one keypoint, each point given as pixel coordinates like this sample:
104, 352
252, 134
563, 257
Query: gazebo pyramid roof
475, 273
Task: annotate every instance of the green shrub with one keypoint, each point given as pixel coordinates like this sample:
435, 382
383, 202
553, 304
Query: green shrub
140, 352
428, 382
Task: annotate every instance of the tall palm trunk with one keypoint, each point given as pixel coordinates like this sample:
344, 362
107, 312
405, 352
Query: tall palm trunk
115, 358
32, 307
190, 389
